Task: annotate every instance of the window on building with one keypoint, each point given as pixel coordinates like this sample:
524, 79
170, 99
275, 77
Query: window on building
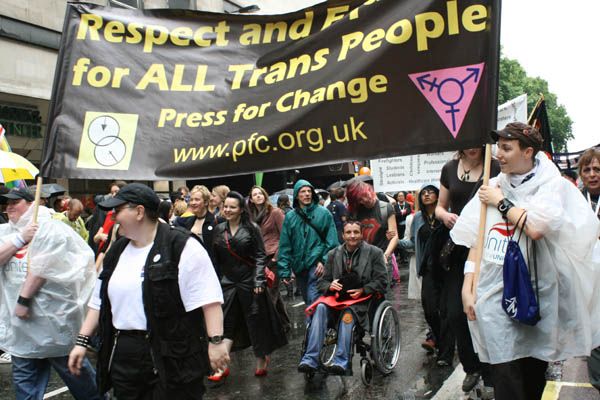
21, 121
125, 3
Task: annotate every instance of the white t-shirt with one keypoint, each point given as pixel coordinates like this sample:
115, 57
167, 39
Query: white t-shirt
198, 284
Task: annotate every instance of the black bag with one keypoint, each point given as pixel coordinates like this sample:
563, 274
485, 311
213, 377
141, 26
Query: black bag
349, 280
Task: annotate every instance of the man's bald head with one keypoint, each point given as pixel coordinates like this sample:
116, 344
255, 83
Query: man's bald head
74, 209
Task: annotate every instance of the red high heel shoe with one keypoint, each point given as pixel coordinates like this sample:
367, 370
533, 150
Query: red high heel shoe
263, 371
216, 377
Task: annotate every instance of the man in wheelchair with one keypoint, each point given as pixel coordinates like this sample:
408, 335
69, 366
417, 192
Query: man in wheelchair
355, 274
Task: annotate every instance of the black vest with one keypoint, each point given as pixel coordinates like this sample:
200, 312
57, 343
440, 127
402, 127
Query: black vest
177, 338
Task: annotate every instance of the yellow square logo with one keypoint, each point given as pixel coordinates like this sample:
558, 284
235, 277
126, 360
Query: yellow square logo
107, 140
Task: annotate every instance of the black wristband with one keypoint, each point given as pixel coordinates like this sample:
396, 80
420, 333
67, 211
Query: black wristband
84, 341
504, 205
24, 301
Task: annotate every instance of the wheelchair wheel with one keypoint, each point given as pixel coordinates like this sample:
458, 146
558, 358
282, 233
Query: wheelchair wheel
385, 350
366, 371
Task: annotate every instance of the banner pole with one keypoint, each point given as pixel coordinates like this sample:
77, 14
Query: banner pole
482, 219
38, 195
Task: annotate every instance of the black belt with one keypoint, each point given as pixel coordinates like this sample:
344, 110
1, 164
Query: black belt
132, 332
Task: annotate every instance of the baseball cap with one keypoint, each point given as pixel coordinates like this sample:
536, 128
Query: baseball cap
19, 193
529, 135
134, 193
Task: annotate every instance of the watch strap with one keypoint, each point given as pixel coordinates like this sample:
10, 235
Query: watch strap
24, 301
216, 339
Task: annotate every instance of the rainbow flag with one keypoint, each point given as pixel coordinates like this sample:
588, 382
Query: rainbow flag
4, 146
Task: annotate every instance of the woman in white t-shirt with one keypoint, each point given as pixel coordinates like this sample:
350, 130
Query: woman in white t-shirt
156, 304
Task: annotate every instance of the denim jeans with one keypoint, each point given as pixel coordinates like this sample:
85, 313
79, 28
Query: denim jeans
31, 375
316, 336
307, 282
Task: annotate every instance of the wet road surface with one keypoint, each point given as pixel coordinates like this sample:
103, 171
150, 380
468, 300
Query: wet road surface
415, 376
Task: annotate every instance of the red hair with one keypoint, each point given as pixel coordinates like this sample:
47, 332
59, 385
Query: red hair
355, 191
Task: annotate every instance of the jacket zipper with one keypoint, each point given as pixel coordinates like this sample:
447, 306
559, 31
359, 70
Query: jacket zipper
112, 352
154, 370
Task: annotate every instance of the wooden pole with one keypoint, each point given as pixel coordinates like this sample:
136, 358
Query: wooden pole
38, 195
482, 219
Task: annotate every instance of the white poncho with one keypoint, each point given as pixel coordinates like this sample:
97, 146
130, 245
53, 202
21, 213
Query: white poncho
58, 254
569, 275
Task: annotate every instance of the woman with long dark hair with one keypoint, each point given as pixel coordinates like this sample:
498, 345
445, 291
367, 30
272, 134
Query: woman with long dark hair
249, 316
270, 221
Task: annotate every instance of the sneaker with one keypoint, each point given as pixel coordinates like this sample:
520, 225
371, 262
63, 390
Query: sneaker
429, 345
5, 358
470, 381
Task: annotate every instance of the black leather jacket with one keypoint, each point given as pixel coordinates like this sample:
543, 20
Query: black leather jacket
245, 268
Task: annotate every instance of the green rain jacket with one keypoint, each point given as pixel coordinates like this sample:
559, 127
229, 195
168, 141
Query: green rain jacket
300, 246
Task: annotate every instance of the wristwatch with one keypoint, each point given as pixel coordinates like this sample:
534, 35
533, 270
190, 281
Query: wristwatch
504, 205
217, 339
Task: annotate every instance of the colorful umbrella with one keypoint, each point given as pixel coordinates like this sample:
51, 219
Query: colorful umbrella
14, 167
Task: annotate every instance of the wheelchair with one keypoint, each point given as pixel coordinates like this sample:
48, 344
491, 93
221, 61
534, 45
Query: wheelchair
379, 348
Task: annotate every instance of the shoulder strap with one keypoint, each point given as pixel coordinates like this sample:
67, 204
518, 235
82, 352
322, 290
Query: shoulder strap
233, 253
535, 271
309, 223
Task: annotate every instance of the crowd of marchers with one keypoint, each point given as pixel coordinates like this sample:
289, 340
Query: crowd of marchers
165, 291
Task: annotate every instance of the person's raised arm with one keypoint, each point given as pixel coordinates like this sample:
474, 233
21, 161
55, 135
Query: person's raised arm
9, 248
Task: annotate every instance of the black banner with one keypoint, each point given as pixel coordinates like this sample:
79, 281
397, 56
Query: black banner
182, 94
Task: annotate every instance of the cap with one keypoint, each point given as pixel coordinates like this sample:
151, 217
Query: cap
135, 193
520, 131
19, 193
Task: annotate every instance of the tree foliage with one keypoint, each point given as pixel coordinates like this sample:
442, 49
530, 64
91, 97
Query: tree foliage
514, 82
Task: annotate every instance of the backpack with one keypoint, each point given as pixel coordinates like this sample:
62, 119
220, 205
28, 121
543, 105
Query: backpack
519, 301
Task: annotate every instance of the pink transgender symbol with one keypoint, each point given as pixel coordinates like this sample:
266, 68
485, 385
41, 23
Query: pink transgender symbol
450, 91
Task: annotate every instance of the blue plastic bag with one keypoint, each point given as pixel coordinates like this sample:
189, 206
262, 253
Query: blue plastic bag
519, 300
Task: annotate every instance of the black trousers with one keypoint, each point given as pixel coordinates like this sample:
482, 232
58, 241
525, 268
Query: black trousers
522, 379
431, 292
133, 377
453, 312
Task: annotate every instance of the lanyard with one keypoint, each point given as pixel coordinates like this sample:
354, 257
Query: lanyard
590, 202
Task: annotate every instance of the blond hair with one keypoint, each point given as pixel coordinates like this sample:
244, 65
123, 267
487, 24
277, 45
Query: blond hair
203, 191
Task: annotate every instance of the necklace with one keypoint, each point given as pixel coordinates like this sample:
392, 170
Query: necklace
430, 220
466, 177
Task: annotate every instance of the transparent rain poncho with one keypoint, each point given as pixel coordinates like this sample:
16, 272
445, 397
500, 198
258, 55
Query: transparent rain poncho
59, 255
568, 269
